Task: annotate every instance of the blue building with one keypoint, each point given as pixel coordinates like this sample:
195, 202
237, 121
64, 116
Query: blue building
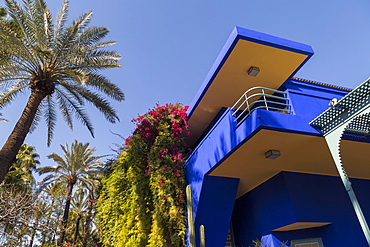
259, 165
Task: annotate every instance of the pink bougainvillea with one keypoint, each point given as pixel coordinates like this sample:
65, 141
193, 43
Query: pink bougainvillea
155, 153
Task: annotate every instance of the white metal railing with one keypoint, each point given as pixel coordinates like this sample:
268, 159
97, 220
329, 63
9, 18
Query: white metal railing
260, 98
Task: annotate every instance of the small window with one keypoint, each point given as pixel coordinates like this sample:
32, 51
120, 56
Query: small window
309, 242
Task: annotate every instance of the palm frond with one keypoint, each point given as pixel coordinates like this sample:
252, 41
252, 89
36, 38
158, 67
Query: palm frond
61, 20
101, 104
9, 95
59, 159
50, 117
47, 169
21, 19
67, 37
65, 107
102, 84
90, 36
76, 107
36, 119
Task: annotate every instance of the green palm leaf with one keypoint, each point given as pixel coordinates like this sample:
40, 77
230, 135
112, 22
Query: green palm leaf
59, 63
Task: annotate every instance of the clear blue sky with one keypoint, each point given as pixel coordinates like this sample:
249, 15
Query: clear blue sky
168, 46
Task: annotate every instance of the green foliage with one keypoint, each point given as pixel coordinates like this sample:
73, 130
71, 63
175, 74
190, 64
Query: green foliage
2, 12
142, 201
78, 164
256, 243
20, 173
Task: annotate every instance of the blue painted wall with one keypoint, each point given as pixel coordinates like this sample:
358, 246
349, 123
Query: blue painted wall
310, 100
223, 137
296, 197
215, 209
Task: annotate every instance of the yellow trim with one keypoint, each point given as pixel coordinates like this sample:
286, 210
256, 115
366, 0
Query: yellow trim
301, 225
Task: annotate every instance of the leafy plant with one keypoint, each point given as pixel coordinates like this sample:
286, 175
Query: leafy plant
142, 201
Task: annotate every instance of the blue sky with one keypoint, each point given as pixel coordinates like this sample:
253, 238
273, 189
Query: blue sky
168, 46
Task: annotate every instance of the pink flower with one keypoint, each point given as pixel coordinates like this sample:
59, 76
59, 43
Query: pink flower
176, 175
128, 141
162, 196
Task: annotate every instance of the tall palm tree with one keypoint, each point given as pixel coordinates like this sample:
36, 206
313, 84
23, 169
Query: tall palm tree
79, 203
92, 185
59, 64
78, 163
53, 192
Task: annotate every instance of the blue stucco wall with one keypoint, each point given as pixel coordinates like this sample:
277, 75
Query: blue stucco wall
223, 137
296, 197
310, 100
215, 209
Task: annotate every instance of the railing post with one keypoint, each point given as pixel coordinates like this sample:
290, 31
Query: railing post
264, 98
246, 101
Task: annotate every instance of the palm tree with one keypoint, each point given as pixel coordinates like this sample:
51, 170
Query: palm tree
92, 185
59, 64
77, 165
79, 203
53, 194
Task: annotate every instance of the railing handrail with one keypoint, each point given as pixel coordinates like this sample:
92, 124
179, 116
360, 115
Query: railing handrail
246, 105
254, 88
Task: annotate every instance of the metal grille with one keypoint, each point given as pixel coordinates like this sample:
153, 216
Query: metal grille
260, 98
346, 108
360, 125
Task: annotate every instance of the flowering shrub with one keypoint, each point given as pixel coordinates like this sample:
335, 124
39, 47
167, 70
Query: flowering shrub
142, 201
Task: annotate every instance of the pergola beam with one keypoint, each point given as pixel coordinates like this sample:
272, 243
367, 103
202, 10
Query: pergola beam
350, 114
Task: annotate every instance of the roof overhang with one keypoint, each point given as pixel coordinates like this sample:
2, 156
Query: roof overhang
299, 153
278, 60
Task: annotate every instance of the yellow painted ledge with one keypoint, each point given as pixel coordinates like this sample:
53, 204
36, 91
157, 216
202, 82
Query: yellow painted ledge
301, 225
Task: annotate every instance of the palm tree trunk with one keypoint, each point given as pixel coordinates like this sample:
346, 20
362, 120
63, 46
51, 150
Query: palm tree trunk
35, 225
76, 230
65, 214
48, 220
90, 198
19, 133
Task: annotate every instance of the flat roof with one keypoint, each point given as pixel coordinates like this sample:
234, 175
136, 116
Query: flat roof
278, 60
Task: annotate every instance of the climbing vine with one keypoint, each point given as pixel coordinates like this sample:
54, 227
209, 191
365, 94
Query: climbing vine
142, 202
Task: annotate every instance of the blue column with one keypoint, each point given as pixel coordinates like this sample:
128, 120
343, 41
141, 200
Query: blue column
215, 209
